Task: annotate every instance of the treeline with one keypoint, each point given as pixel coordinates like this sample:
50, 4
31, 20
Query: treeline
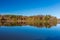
29, 20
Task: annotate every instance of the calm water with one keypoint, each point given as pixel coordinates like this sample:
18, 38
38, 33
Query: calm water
30, 32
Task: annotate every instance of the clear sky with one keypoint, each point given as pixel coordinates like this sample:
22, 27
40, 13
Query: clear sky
30, 7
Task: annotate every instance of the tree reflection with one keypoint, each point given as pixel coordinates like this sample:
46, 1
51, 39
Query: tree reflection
47, 25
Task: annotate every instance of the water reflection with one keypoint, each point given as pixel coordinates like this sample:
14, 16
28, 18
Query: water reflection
48, 25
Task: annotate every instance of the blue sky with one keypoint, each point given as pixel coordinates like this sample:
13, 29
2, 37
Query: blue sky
30, 7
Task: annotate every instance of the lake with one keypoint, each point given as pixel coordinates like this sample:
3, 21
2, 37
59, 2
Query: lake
27, 32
